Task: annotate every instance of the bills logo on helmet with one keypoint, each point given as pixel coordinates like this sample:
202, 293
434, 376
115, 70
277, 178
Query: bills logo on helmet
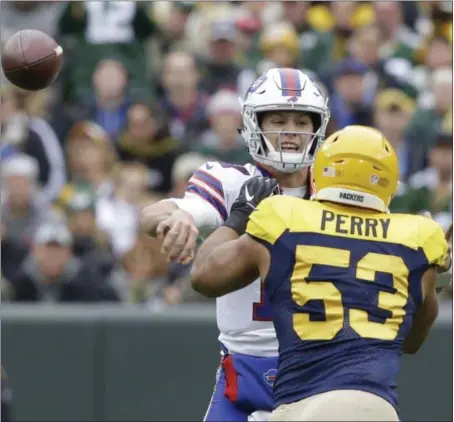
290, 83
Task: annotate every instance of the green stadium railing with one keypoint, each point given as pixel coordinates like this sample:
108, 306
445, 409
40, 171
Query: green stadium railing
115, 363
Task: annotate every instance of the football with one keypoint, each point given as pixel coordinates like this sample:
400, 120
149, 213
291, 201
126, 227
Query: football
31, 59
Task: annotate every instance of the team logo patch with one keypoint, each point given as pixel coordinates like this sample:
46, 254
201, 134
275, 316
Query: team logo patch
270, 376
292, 100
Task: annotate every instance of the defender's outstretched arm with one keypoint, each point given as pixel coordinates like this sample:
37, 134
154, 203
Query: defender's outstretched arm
219, 269
425, 316
229, 259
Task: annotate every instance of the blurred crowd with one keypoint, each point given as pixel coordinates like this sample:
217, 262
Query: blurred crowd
149, 92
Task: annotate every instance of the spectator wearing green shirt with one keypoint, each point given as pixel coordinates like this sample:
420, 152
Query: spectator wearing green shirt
430, 189
97, 30
434, 111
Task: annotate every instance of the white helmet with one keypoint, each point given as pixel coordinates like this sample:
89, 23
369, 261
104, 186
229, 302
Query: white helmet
283, 89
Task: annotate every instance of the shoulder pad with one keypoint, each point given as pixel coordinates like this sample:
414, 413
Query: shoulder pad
432, 241
228, 175
218, 183
271, 218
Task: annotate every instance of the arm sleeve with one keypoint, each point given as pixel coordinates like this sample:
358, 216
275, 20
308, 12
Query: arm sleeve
205, 197
208, 183
206, 218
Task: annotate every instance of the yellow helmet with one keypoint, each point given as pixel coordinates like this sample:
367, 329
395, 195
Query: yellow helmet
356, 166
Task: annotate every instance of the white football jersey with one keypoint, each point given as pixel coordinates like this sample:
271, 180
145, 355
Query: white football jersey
243, 317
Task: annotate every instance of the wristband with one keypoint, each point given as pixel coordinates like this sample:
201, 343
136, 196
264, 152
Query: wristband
238, 220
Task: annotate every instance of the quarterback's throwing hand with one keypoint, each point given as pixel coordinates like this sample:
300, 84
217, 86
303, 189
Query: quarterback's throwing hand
179, 237
251, 194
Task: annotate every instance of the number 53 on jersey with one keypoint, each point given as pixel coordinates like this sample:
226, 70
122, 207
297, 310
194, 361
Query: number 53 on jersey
325, 310
357, 277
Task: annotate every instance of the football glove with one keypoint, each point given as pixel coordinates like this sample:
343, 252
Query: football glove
252, 192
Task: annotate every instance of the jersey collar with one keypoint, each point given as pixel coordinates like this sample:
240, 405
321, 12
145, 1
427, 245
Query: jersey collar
266, 173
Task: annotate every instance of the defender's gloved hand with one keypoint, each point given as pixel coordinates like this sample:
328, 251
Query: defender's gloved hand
252, 192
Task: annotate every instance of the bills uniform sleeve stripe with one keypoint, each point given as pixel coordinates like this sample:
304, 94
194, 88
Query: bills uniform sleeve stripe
210, 180
290, 82
209, 197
